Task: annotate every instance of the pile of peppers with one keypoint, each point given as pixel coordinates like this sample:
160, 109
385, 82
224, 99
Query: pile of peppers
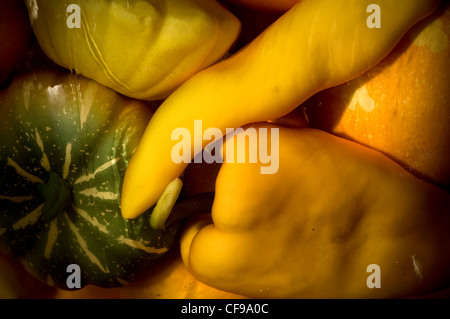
336, 215
335, 219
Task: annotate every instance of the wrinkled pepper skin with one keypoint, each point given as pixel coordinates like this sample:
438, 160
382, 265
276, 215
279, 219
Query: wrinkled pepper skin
315, 45
334, 208
143, 49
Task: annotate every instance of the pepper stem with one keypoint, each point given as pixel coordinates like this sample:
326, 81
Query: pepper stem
165, 204
57, 194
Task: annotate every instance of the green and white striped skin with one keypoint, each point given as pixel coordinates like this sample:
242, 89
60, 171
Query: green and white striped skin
65, 142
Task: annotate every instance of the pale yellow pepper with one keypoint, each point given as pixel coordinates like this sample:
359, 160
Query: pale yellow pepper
143, 49
320, 226
315, 45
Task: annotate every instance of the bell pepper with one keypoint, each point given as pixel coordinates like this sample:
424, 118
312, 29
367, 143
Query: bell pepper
336, 213
315, 45
143, 49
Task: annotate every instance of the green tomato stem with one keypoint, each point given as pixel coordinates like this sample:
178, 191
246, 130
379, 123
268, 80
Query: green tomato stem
57, 194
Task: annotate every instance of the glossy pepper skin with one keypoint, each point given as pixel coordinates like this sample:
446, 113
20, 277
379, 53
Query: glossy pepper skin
315, 45
143, 49
333, 208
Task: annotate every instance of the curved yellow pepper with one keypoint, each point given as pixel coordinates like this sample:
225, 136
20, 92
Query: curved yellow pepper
315, 45
334, 212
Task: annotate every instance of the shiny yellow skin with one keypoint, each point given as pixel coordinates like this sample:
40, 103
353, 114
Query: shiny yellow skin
334, 208
140, 48
315, 45
401, 106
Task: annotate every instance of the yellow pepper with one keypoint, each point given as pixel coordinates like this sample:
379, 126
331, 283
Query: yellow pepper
315, 45
141, 48
339, 221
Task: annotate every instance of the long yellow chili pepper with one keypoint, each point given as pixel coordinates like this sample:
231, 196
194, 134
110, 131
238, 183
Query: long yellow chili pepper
315, 45
339, 221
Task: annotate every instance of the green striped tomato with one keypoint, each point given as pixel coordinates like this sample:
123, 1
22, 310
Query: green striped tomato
65, 142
